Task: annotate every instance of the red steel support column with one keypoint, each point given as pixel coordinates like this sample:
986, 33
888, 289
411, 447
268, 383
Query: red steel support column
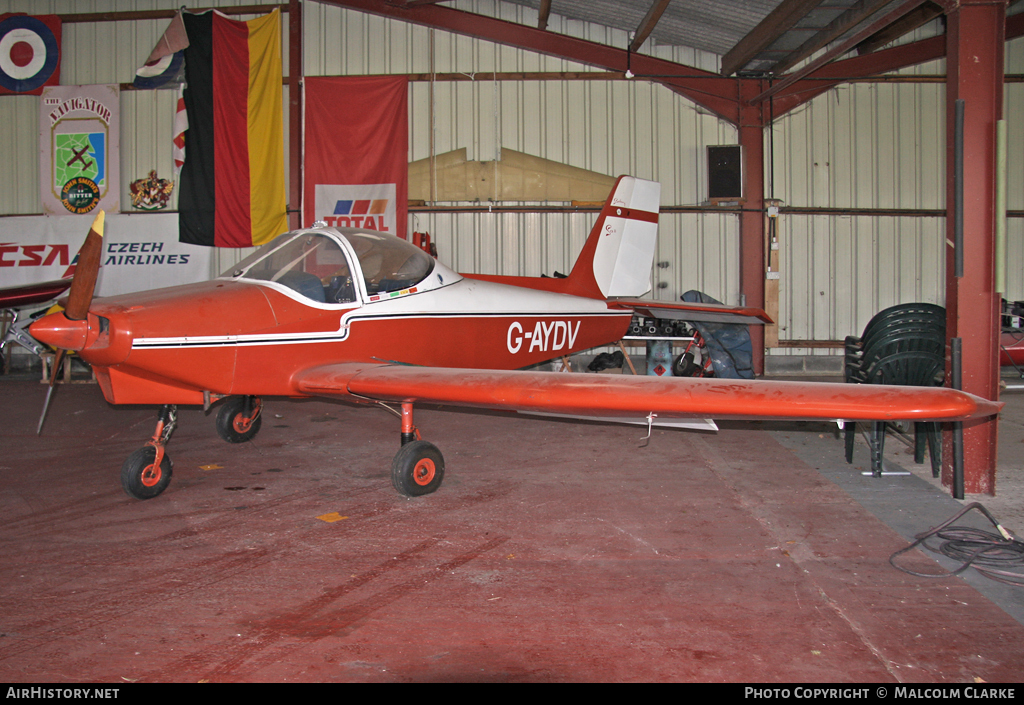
750, 119
974, 68
295, 115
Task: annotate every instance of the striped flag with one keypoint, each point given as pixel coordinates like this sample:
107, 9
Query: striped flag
232, 190
179, 126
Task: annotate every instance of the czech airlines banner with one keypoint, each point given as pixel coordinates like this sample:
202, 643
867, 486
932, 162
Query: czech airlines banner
231, 191
29, 53
356, 152
79, 149
140, 251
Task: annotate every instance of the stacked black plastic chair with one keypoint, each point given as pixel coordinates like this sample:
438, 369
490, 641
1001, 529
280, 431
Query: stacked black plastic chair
904, 345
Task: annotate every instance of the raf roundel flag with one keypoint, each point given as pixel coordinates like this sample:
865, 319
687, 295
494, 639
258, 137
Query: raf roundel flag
231, 190
29, 53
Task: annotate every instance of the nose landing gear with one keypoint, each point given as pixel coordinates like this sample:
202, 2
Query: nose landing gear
147, 472
416, 470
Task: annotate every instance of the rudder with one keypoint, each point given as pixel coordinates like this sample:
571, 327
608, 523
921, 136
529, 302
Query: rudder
617, 258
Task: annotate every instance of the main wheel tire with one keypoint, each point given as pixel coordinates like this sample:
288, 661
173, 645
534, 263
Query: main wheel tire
141, 478
684, 366
232, 425
418, 469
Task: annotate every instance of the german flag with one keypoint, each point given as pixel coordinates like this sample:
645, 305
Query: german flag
231, 191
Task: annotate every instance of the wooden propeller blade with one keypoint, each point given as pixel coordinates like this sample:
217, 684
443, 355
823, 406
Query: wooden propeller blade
86, 272
57, 360
80, 297
46, 406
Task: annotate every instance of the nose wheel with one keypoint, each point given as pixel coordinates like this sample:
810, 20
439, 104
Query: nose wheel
147, 472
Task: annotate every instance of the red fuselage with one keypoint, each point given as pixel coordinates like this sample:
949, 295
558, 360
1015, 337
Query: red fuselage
242, 337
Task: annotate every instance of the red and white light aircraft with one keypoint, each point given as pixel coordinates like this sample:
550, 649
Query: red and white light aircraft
370, 318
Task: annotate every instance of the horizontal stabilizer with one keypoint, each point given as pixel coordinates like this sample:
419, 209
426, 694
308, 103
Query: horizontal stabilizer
685, 311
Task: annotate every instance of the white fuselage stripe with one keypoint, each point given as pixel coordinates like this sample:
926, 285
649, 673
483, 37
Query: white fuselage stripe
209, 341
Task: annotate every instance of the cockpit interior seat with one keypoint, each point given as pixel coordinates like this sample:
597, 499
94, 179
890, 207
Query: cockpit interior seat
304, 283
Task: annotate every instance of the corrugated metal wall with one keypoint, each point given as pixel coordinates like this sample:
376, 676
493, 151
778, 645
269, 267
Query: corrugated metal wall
612, 127
857, 146
875, 145
865, 145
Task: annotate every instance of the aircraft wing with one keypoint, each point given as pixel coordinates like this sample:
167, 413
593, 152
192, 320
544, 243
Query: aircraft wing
686, 311
595, 395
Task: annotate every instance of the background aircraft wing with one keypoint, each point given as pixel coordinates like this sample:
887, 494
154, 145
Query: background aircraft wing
28, 294
597, 395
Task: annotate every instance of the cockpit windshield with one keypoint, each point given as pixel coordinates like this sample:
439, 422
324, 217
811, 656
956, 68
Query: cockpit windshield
389, 264
314, 265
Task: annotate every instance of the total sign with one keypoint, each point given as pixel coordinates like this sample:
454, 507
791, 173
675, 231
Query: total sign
369, 206
546, 336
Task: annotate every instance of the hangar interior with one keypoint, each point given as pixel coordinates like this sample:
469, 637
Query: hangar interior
558, 551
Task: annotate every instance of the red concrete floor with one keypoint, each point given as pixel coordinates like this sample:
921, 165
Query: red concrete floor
553, 552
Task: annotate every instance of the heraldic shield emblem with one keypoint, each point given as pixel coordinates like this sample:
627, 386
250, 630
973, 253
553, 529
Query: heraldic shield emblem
151, 193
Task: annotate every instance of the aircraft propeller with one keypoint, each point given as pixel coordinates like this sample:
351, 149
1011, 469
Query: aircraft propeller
79, 298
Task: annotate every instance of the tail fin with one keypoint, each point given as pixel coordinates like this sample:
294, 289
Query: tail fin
617, 258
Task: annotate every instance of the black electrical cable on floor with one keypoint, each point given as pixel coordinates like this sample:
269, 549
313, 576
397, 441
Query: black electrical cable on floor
974, 548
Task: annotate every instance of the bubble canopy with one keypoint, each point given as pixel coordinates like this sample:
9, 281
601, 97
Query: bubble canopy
336, 265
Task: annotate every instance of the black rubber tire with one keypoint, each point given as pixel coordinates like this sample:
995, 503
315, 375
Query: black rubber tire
684, 366
137, 476
418, 469
228, 419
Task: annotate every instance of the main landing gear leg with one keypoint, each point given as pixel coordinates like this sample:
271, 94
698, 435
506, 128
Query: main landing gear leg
418, 467
147, 472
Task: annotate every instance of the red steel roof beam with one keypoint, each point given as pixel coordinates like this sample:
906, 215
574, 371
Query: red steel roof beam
707, 89
833, 30
647, 24
543, 13
840, 49
777, 23
873, 64
911, 21
857, 67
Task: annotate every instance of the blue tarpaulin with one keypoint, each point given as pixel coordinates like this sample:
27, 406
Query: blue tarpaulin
728, 344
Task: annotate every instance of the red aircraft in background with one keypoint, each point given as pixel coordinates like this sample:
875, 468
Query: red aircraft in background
33, 293
15, 297
370, 318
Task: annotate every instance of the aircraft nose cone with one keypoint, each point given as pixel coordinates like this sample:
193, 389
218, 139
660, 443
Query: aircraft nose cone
59, 331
